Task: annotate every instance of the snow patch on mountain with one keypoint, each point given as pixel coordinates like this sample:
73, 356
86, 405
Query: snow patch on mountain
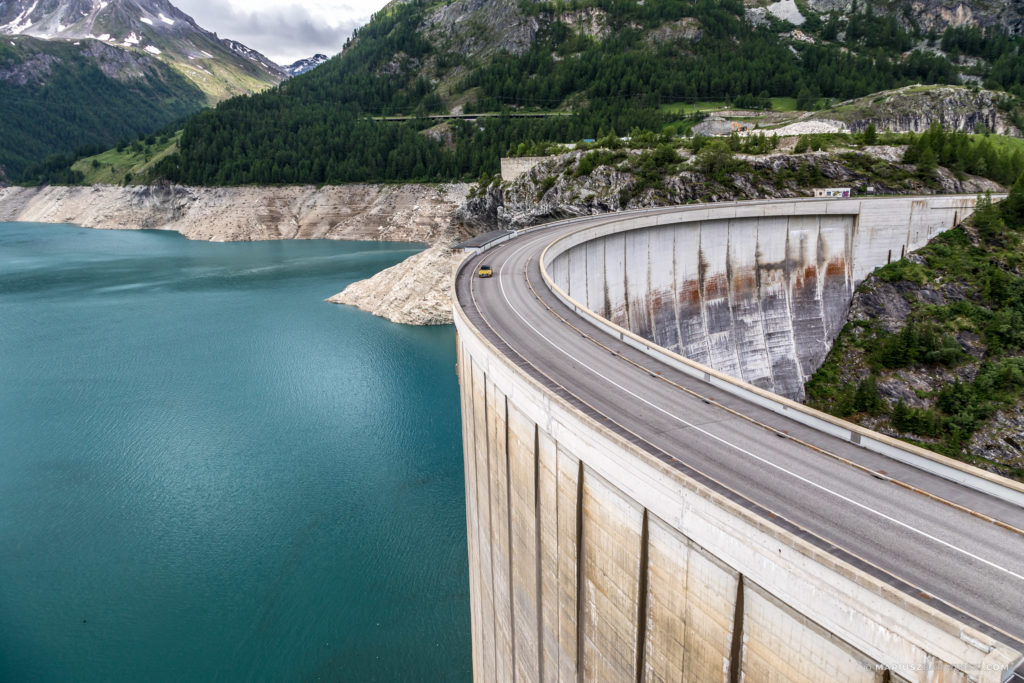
304, 65
21, 22
154, 26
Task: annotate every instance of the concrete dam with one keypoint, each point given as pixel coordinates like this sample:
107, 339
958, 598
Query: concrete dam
758, 297
633, 514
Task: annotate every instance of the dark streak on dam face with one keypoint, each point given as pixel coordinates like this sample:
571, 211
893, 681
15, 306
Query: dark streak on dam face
759, 298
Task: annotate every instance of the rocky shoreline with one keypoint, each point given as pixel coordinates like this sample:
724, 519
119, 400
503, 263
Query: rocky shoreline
394, 213
415, 292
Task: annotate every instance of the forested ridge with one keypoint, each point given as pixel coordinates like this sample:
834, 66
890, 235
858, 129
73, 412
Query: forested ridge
319, 128
731, 58
77, 104
325, 127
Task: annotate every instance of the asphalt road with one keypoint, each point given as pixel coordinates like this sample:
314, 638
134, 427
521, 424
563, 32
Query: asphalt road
959, 563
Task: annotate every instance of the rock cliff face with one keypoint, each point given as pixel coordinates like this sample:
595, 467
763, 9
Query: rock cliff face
551, 190
939, 14
999, 440
401, 213
915, 108
417, 291
1002, 439
481, 27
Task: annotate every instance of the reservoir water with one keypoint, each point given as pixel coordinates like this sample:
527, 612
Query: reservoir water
208, 473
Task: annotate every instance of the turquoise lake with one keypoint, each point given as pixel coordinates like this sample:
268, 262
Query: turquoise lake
207, 473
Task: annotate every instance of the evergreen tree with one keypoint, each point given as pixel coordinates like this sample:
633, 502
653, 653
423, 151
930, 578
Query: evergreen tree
987, 219
901, 417
1012, 208
714, 160
927, 163
866, 399
870, 134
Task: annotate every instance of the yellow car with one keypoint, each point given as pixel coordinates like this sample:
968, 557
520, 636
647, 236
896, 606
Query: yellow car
484, 271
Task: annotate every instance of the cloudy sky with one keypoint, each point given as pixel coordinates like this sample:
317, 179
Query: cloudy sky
282, 30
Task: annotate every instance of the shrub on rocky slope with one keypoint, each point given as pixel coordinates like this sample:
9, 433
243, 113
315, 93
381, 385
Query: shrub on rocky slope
933, 349
608, 179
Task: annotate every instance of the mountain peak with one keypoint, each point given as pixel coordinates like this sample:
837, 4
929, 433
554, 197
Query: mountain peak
221, 68
304, 65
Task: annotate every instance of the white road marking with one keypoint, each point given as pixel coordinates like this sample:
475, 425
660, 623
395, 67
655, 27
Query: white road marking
504, 294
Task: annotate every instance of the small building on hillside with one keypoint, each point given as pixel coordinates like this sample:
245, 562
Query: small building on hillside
832, 192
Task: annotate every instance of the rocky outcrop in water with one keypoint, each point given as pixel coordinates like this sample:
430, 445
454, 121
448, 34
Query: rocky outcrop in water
417, 291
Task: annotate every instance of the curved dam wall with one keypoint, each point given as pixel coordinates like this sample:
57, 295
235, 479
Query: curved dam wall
756, 291
592, 560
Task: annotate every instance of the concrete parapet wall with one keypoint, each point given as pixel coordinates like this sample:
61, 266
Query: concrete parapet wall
591, 559
513, 167
756, 291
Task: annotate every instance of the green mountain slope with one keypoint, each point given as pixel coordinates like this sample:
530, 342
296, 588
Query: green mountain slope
220, 68
604, 65
85, 72
56, 96
933, 348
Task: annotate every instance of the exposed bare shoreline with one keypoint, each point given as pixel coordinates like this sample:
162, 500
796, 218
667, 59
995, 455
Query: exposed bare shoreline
413, 292
399, 213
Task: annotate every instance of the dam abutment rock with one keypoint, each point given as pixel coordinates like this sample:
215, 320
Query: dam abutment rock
756, 290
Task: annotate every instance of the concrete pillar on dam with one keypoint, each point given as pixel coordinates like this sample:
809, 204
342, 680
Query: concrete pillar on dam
592, 560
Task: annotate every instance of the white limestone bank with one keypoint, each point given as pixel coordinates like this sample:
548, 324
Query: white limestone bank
398, 213
417, 291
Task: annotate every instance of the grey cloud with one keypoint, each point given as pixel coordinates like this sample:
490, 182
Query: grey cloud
284, 34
